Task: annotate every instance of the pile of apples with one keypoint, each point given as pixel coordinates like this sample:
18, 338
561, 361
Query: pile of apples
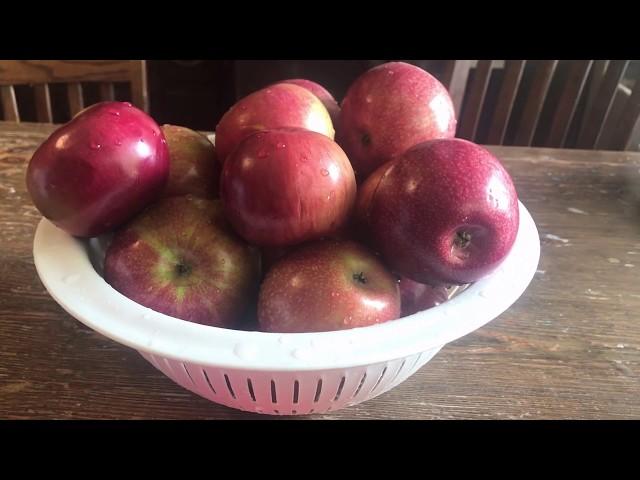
305, 215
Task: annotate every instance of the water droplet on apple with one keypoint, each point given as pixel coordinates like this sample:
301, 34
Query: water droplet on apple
114, 112
118, 142
128, 104
95, 146
281, 145
324, 172
390, 72
263, 154
153, 132
71, 279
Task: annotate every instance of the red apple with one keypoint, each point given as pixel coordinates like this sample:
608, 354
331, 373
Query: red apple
286, 186
390, 108
194, 167
366, 192
327, 285
417, 297
180, 257
99, 170
280, 105
444, 212
322, 93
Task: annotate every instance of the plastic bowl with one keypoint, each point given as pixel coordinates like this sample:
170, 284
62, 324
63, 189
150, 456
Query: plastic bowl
295, 373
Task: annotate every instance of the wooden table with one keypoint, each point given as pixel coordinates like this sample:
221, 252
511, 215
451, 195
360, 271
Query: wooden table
568, 348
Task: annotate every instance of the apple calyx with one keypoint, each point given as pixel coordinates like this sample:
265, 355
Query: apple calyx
366, 139
182, 269
359, 277
462, 239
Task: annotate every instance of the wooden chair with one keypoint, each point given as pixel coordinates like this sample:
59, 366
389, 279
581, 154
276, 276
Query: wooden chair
590, 108
73, 73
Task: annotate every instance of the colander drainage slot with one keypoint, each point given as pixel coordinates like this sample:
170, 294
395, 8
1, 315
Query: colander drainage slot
296, 387
226, 379
250, 386
318, 391
364, 377
209, 382
380, 379
340, 389
395, 377
188, 374
274, 399
418, 357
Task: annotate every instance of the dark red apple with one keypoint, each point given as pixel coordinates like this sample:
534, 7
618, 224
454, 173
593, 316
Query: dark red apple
327, 285
444, 212
280, 105
287, 186
322, 93
194, 167
99, 170
180, 257
417, 297
390, 108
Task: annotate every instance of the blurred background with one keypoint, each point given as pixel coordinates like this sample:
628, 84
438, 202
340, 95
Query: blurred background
590, 104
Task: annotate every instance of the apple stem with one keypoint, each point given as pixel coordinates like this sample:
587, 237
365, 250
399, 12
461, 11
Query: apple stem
360, 277
463, 239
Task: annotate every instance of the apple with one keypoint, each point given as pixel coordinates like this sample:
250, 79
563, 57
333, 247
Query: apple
444, 212
322, 93
181, 258
417, 297
365, 195
194, 167
280, 105
390, 108
286, 186
327, 285
99, 170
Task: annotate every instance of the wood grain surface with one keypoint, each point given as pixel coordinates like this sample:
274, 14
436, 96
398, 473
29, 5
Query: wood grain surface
569, 348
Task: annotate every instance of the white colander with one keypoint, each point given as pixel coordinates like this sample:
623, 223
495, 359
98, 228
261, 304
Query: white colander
295, 373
